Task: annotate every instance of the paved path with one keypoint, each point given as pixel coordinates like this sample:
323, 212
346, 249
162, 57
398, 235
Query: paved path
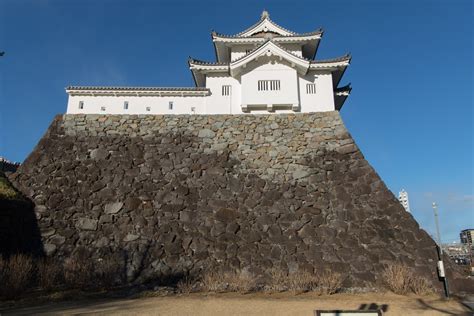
255, 304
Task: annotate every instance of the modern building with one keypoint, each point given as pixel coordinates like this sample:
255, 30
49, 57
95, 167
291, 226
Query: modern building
263, 69
403, 198
467, 236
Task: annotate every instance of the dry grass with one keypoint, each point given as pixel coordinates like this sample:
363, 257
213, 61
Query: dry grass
240, 282
213, 282
78, 272
401, 280
302, 281
421, 286
329, 282
228, 281
7, 191
278, 281
186, 285
397, 278
107, 272
50, 274
17, 275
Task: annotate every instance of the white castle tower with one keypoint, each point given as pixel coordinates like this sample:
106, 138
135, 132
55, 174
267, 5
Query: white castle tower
403, 198
263, 69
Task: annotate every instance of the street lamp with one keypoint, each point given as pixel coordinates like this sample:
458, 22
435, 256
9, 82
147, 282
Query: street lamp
440, 253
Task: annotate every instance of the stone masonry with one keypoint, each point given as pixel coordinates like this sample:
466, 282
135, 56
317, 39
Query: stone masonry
182, 194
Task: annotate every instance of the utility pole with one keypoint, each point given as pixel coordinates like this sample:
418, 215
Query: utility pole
441, 273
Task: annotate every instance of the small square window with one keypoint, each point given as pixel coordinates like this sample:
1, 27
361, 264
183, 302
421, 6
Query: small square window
148, 109
170, 105
102, 108
81, 105
125, 105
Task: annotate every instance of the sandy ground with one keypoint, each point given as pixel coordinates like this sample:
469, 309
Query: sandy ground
248, 304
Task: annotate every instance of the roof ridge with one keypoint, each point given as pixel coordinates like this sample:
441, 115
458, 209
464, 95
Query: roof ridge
262, 19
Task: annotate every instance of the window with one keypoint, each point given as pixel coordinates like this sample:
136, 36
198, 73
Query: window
226, 90
148, 109
248, 50
125, 105
81, 105
102, 108
193, 109
170, 105
310, 88
268, 85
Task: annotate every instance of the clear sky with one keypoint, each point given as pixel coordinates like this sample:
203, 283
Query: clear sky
411, 108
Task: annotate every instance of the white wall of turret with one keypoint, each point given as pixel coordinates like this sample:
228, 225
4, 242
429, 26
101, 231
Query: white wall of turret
107, 104
312, 92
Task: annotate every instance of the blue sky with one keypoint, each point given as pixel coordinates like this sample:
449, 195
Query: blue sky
411, 109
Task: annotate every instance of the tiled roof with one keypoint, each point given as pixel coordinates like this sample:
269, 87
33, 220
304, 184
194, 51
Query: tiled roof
205, 63
322, 61
346, 88
137, 88
316, 32
346, 57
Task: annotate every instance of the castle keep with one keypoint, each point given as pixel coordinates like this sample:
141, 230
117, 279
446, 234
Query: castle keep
264, 69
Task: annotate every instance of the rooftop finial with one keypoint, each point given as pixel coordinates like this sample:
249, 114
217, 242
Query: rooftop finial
265, 15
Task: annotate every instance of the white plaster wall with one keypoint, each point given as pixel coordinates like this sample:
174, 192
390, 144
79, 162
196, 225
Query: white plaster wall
219, 104
136, 105
239, 51
288, 93
323, 100
294, 48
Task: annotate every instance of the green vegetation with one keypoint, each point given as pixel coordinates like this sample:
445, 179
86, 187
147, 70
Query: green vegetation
7, 192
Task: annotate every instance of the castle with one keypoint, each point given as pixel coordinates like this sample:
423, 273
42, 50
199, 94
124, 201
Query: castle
263, 69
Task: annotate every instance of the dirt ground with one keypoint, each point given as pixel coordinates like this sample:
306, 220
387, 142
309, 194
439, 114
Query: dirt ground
248, 304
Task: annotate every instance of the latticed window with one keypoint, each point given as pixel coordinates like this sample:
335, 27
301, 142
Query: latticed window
170, 105
81, 105
226, 90
268, 85
310, 88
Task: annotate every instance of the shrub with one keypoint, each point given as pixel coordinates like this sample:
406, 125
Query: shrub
50, 274
329, 282
17, 275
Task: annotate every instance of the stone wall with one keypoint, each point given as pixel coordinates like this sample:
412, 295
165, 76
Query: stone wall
181, 194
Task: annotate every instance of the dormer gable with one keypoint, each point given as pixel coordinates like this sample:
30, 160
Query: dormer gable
269, 49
